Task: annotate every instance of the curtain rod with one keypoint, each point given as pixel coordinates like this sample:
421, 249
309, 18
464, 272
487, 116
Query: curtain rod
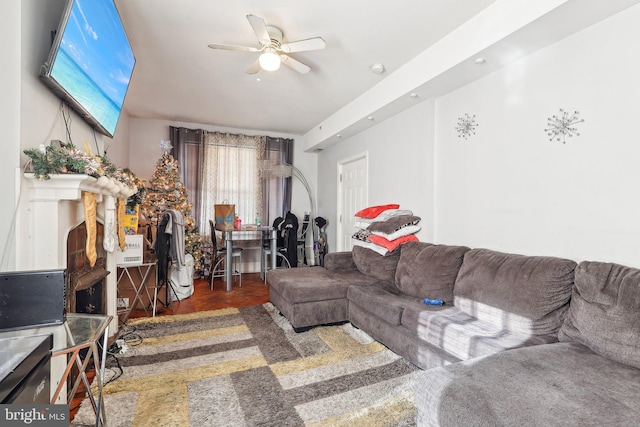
230, 133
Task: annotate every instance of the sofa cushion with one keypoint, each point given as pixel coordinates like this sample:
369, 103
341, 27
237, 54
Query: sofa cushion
404, 231
314, 283
374, 211
375, 265
604, 313
462, 335
391, 245
515, 292
339, 261
362, 235
370, 246
383, 301
383, 216
561, 384
392, 225
428, 271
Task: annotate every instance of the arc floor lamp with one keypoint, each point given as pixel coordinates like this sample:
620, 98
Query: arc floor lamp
271, 169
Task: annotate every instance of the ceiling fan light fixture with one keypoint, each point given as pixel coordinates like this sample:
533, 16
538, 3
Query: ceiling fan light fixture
270, 60
274, 52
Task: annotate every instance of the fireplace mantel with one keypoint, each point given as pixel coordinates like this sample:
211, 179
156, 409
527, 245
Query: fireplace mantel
52, 208
71, 186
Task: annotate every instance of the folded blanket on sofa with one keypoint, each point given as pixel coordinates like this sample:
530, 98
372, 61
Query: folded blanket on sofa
384, 216
393, 224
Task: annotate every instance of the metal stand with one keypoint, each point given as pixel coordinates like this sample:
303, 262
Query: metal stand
83, 332
144, 271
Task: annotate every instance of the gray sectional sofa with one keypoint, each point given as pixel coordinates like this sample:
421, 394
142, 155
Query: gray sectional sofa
590, 377
520, 340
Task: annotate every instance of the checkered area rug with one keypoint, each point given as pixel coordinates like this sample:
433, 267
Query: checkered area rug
247, 367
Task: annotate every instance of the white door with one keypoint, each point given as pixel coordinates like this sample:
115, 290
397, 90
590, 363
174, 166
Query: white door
352, 197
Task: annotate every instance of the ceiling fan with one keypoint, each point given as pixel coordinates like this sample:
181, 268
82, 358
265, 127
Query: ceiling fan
274, 52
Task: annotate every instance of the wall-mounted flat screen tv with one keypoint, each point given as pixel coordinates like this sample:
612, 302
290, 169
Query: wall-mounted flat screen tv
91, 62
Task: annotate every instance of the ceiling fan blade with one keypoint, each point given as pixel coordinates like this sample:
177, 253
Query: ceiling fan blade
260, 28
295, 64
254, 68
315, 43
233, 47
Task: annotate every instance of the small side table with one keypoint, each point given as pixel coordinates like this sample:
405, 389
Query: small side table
144, 271
83, 332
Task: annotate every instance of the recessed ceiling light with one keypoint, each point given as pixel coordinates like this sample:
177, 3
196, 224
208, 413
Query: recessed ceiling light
413, 95
377, 68
258, 79
339, 136
370, 118
480, 61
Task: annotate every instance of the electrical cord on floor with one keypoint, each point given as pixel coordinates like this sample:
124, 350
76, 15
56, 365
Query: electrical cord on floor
112, 350
128, 337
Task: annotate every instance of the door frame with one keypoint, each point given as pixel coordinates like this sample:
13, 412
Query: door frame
340, 190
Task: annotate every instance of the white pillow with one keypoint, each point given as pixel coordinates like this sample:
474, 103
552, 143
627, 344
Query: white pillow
377, 248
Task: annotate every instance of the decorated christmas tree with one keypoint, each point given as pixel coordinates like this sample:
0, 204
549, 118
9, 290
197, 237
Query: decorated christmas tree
166, 191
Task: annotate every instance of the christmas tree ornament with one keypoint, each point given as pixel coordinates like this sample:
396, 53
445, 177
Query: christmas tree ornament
165, 146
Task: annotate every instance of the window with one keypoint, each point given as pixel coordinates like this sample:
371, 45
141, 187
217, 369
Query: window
217, 167
229, 174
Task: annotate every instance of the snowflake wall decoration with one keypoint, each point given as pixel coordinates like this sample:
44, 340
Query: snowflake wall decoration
562, 126
466, 126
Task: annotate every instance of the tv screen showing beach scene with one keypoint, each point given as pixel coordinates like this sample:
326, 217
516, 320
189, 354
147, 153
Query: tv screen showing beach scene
91, 62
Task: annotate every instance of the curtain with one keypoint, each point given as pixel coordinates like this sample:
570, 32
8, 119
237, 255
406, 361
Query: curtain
277, 190
229, 173
217, 166
187, 145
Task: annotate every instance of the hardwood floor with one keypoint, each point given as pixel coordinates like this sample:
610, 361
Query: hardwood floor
253, 292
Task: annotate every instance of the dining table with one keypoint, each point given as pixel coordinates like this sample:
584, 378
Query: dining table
247, 232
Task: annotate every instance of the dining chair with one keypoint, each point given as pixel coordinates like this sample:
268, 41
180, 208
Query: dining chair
302, 239
265, 252
218, 259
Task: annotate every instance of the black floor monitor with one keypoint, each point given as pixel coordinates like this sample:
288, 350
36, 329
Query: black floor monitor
32, 298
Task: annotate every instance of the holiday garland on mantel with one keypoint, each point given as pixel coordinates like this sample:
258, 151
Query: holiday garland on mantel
64, 158
68, 159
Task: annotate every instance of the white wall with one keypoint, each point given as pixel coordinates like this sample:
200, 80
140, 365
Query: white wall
508, 187
10, 125
400, 154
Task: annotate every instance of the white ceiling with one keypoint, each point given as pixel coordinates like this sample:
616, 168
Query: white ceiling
428, 48
177, 77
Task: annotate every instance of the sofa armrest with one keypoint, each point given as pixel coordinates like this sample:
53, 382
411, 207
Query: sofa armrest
339, 261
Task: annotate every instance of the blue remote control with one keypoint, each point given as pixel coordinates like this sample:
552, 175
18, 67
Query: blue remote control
437, 301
